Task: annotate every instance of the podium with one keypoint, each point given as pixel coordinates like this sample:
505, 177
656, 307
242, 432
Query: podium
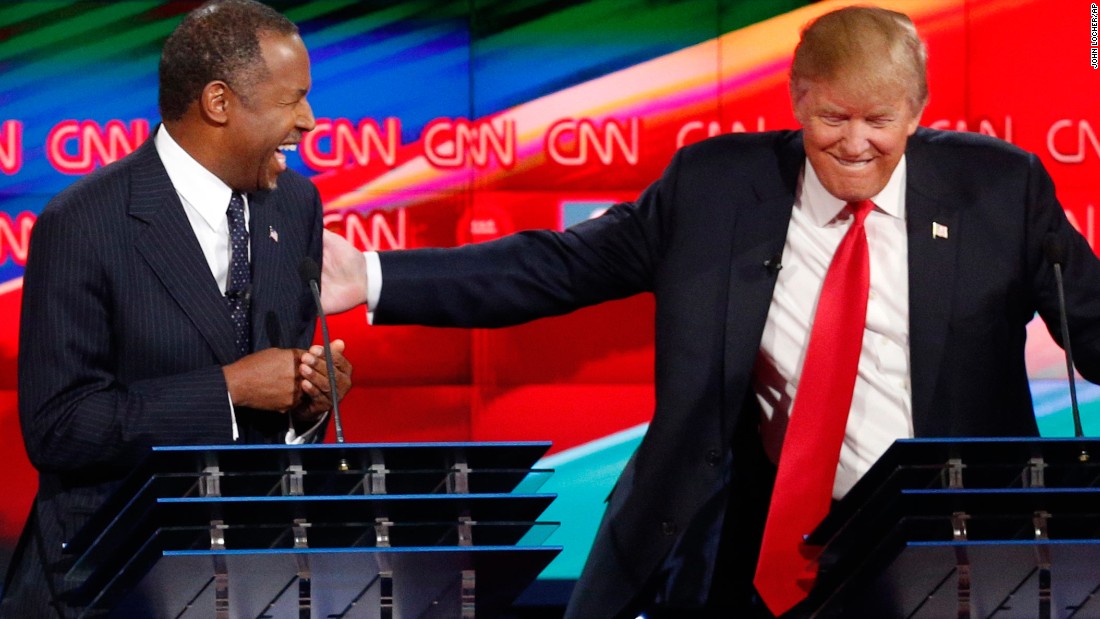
1000, 528
389, 531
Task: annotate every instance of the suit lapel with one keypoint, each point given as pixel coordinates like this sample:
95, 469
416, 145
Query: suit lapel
931, 277
759, 234
271, 273
167, 243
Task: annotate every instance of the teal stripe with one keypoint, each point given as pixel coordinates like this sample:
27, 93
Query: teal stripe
405, 12
583, 477
16, 12
1053, 410
72, 32
313, 10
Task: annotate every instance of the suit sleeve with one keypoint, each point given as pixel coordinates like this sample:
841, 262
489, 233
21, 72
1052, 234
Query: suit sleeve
75, 413
530, 274
1081, 273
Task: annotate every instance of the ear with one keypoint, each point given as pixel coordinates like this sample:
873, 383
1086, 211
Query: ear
799, 106
914, 122
214, 102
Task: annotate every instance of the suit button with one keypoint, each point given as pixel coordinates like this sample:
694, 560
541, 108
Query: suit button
668, 527
713, 457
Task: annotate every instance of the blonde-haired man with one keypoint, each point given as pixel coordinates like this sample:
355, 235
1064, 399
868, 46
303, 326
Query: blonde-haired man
952, 228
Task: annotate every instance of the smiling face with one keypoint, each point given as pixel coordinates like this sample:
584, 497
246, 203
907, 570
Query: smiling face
854, 138
268, 117
858, 88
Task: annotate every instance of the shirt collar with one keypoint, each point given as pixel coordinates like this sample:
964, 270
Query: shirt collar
197, 186
823, 207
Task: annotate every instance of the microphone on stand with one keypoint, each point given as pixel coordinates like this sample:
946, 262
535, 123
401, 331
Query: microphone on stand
1055, 252
273, 329
311, 274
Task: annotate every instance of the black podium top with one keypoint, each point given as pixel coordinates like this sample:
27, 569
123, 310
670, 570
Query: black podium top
975, 463
964, 527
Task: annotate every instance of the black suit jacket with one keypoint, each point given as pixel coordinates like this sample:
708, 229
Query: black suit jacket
123, 335
698, 239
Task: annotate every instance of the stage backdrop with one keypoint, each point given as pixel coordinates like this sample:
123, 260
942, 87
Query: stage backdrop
442, 122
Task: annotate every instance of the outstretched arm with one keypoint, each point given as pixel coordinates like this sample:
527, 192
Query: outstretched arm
343, 275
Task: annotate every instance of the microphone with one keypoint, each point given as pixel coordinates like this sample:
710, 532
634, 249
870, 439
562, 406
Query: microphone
311, 274
774, 264
1055, 252
273, 329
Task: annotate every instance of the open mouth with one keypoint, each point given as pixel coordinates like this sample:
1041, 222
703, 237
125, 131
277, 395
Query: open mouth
280, 154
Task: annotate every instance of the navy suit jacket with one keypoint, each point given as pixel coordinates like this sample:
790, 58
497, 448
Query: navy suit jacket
698, 239
123, 336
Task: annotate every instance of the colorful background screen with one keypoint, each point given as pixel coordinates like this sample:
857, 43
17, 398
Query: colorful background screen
443, 122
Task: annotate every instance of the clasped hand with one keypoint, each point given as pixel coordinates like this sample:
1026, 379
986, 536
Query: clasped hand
289, 380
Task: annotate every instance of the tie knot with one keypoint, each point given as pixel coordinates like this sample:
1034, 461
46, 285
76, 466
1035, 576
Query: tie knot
236, 204
861, 209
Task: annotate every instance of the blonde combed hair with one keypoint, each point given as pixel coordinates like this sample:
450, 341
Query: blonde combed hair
869, 49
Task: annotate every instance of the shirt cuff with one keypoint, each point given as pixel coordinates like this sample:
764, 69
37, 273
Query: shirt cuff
374, 282
292, 437
233, 417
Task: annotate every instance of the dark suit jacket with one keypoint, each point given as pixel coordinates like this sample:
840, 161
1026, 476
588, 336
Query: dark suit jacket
698, 239
124, 333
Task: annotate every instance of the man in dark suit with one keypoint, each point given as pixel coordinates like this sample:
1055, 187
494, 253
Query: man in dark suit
153, 316
737, 241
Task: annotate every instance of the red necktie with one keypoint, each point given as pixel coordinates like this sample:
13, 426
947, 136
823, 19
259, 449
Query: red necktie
811, 447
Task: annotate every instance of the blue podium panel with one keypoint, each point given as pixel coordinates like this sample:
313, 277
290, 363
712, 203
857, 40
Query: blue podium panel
269, 522
997, 580
998, 528
340, 456
937, 464
424, 582
377, 530
317, 469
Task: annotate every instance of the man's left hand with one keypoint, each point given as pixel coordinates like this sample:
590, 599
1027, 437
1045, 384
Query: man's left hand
316, 386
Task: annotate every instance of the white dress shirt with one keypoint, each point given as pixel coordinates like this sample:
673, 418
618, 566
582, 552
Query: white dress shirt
205, 200
881, 405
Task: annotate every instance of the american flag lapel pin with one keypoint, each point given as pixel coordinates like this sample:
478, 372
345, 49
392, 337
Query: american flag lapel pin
273, 233
939, 231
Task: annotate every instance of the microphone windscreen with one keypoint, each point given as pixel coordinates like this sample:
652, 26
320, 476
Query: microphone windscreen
1053, 249
309, 270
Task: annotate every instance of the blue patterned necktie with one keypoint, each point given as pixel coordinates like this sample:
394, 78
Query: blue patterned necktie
238, 291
